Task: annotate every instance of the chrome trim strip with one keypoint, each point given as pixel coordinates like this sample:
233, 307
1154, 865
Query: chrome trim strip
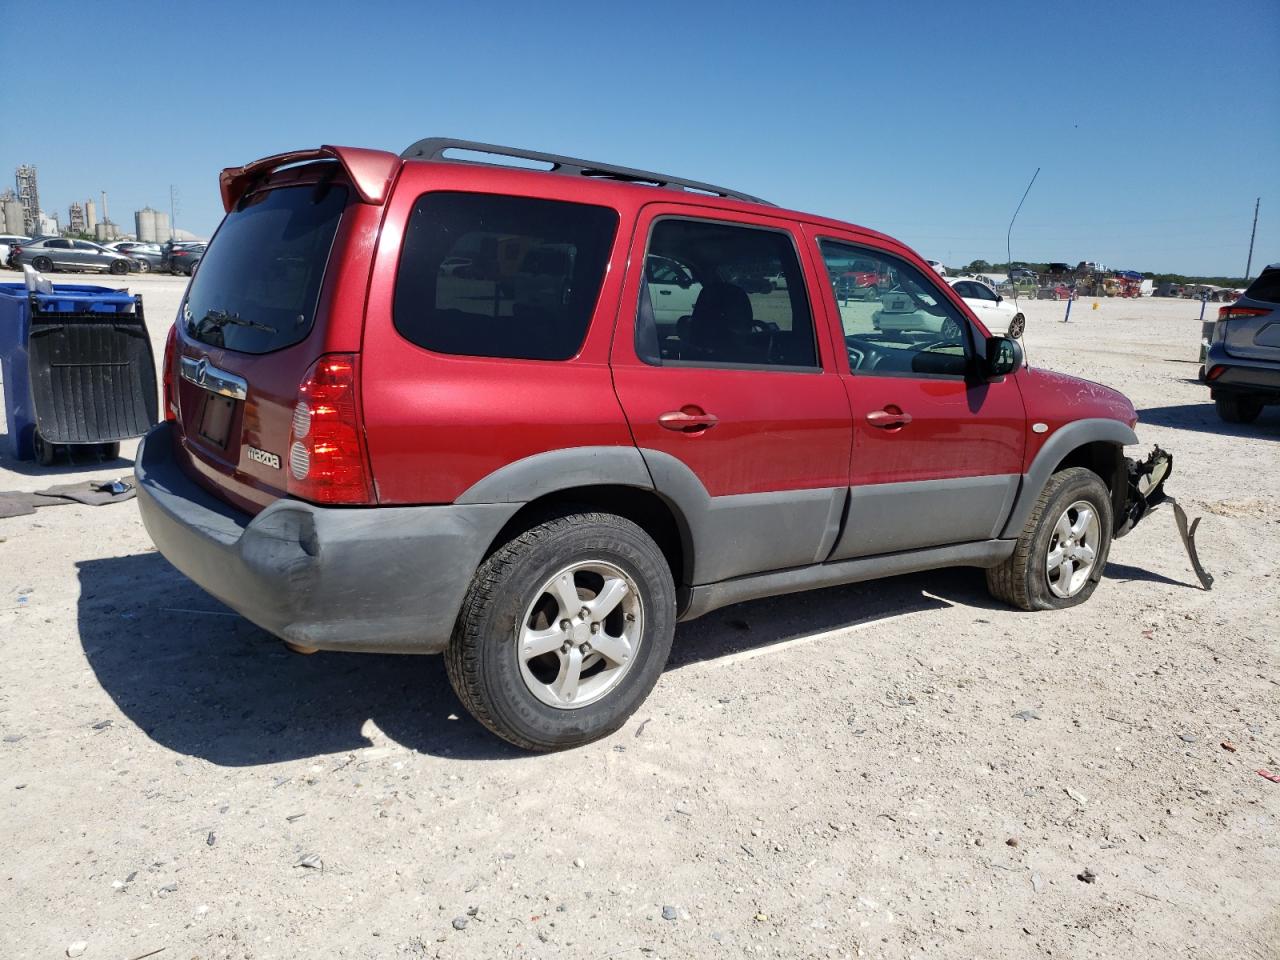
212, 379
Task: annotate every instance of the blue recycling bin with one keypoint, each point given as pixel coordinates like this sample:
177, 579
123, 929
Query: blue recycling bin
77, 368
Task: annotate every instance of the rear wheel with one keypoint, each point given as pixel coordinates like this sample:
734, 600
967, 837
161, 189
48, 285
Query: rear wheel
564, 631
119, 266
1233, 408
43, 264
144, 267
1062, 550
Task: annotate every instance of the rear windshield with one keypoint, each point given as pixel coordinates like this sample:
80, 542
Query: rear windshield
258, 282
1266, 288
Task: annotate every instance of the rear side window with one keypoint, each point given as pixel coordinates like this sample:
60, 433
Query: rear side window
258, 282
495, 276
722, 294
1267, 287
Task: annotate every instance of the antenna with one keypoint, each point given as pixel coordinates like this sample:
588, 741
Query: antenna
1008, 251
1249, 266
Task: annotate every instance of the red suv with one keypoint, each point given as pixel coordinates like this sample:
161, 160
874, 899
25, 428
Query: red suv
424, 404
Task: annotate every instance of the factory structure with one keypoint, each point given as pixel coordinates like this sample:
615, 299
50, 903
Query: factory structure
21, 215
152, 226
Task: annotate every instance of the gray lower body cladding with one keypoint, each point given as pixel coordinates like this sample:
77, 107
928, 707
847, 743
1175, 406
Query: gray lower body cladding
387, 580
1241, 375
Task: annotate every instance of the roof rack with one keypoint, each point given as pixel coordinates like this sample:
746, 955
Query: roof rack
433, 148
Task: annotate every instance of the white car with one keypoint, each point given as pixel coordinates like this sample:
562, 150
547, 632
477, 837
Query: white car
6, 245
938, 267
993, 310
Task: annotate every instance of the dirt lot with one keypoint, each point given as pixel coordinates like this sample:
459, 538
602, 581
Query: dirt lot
843, 773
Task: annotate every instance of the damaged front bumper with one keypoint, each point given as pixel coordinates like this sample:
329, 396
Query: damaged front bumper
1145, 491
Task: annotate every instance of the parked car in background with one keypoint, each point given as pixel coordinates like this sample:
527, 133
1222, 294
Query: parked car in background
938, 267
147, 256
364, 451
992, 308
7, 242
184, 258
51, 254
1242, 364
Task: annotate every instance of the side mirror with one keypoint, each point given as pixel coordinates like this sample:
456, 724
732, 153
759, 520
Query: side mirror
999, 299
1004, 357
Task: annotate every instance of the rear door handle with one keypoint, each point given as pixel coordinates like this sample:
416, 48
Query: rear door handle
688, 420
890, 418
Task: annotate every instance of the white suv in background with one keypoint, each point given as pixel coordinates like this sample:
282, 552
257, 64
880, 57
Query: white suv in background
938, 267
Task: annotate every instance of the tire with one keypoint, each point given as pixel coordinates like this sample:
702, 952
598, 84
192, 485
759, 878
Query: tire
119, 267
109, 451
507, 596
144, 267
1024, 579
1233, 408
46, 452
42, 264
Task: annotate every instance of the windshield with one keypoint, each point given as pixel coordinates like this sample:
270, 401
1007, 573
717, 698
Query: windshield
258, 282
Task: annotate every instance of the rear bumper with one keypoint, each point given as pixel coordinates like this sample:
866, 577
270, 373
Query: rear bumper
1240, 374
377, 579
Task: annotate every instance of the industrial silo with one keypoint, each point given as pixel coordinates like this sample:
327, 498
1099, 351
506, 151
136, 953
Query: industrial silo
13, 222
162, 226
145, 220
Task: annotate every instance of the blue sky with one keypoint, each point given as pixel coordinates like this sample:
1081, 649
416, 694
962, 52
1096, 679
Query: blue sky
1155, 124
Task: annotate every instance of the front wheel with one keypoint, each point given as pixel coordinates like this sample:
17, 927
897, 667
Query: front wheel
564, 631
1238, 409
1062, 550
144, 267
119, 267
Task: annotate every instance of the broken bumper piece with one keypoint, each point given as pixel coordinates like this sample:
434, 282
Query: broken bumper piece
1145, 492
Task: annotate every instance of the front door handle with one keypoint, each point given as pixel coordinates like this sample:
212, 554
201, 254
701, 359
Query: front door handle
688, 419
890, 418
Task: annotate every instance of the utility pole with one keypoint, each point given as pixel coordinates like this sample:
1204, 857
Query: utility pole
1249, 266
173, 212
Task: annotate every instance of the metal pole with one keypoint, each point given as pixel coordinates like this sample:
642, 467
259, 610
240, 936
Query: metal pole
1249, 266
1070, 300
173, 213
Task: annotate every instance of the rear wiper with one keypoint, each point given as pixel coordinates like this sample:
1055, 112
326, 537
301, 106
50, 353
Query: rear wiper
220, 318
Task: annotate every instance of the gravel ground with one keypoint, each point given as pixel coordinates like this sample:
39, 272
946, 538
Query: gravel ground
891, 769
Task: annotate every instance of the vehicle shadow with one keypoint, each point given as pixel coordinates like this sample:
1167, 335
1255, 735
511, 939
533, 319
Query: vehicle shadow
1203, 418
200, 680
1124, 573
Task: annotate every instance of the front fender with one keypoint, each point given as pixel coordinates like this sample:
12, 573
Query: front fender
1070, 437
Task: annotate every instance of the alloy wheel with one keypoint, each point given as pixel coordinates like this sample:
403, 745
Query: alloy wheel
1073, 549
580, 635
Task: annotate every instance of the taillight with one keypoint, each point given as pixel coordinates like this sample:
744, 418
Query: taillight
168, 388
327, 462
1215, 373
1232, 312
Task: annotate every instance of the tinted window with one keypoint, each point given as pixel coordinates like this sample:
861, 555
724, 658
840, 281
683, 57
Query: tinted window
904, 326
491, 276
715, 293
259, 282
58, 244
1266, 288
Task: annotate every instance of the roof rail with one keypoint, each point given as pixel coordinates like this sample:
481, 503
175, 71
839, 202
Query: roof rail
433, 148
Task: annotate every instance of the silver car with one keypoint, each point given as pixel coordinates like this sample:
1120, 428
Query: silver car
50, 254
1242, 364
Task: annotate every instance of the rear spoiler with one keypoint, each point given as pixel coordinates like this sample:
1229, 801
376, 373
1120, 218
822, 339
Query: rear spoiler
370, 171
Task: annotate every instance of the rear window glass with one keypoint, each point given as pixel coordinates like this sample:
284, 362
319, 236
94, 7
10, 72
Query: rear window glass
258, 283
1266, 288
496, 276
